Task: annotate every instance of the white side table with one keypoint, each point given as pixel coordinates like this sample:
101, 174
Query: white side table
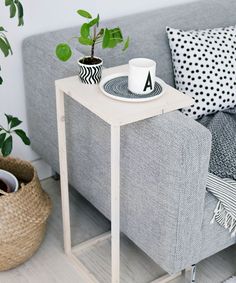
116, 114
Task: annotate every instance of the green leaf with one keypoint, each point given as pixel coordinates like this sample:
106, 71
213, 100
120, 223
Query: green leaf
21, 22
15, 122
84, 14
7, 146
116, 36
12, 10
101, 32
23, 136
8, 2
85, 31
109, 40
106, 38
2, 29
2, 139
112, 37
94, 22
20, 10
9, 118
4, 47
85, 41
126, 45
98, 19
63, 52
8, 45
116, 32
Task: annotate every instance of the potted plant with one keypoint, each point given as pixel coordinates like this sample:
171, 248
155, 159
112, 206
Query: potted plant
20, 194
19, 240
8, 181
90, 67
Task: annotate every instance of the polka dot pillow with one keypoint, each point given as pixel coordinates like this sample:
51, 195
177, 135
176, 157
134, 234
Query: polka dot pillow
204, 64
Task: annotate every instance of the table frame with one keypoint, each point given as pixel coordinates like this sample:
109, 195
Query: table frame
115, 201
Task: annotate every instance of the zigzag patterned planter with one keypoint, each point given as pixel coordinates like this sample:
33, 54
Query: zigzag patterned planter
90, 74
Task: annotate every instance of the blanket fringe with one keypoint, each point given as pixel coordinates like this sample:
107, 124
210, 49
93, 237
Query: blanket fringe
219, 208
224, 218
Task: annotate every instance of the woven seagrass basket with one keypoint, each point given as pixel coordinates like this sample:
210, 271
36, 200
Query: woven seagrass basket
23, 215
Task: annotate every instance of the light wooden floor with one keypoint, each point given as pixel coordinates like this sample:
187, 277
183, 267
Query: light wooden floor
50, 265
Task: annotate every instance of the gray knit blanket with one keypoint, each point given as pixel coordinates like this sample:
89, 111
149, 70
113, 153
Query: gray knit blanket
221, 180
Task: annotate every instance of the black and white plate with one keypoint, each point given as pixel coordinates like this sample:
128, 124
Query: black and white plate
116, 86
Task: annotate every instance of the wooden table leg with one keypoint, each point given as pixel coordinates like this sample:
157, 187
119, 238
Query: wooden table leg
115, 203
63, 170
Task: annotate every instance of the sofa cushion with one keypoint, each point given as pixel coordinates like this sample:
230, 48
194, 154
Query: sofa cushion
205, 67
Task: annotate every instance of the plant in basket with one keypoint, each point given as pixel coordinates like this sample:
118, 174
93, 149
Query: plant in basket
90, 67
19, 240
8, 182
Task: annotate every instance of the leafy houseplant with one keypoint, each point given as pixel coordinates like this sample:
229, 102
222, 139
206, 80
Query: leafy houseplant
8, 182
15, 8
91, 35
7, 133
19, 240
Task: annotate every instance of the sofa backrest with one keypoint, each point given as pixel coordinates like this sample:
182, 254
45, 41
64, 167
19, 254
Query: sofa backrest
148, 36
147, 32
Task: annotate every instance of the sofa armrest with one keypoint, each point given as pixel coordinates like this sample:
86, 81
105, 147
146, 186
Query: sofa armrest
169, 187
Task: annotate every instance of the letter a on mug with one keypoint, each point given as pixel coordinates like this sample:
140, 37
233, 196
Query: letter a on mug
148, 82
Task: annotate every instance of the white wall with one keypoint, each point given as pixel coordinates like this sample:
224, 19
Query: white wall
45, 15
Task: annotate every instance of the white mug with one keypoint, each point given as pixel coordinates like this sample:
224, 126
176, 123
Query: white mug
141, 77
9, 179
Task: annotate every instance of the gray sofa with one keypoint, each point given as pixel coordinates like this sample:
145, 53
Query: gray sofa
165, 208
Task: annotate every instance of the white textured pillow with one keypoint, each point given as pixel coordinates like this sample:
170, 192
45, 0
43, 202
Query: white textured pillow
204, 64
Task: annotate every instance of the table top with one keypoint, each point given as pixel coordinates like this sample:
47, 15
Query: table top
116, 112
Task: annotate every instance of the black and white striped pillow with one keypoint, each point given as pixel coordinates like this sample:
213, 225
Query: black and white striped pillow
204, 64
